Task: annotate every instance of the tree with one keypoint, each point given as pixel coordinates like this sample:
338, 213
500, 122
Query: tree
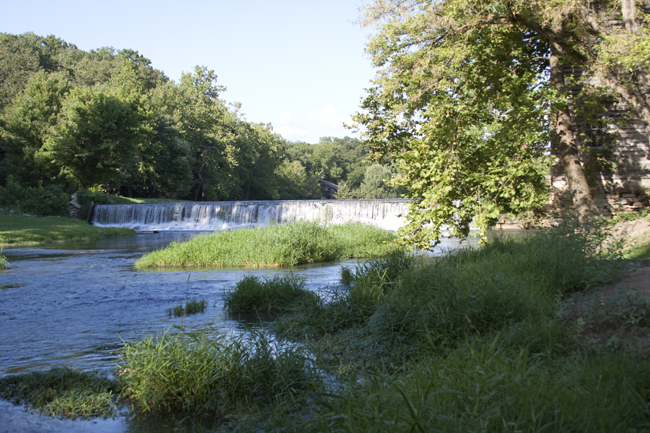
205, 123
457, 112
469, 95
28, 122
99, 132
376, 183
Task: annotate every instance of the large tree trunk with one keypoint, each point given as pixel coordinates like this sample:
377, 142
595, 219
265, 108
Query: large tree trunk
628, 9
567, 148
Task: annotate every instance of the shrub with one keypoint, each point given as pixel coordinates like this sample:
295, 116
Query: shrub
87, 199
41, 201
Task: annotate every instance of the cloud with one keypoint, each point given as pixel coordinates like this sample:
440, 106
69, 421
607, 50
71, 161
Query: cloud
331, 116
291, 133
285, 117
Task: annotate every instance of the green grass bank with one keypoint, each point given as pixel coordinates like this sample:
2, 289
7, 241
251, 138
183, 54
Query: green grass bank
24, 230
274, 246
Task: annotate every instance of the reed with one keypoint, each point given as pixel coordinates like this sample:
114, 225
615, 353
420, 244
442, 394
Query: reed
274, 245
211, 374
193, 306
3, 262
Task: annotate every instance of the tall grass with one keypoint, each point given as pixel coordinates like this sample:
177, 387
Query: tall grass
193, 306
398, 304
205, 374
273, 295
471, 342
484, 387
3, 262
274, 245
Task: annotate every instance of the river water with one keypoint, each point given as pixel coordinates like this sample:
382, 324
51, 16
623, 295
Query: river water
72, 305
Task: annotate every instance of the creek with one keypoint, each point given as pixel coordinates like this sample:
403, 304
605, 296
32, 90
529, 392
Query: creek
73, 305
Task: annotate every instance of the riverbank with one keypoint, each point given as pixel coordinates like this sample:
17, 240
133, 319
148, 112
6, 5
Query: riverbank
29, 230
483, 339
479, 340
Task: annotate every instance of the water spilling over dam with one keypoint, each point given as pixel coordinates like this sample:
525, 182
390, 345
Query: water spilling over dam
384, 213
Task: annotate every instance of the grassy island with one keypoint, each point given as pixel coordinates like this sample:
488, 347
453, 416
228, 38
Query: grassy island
28, 230
274, 246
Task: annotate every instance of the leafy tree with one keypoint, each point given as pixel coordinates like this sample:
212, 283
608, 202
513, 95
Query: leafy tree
457, 112
205, 123
99, 131
23, 55
376, 183
28, 122
469, 93
294, 182
257, 151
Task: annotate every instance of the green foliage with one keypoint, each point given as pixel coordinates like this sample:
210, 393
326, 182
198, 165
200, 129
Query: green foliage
627, 216
28, 121
62, 391
398, 305
98, 132
42, 201
463, 128
3, 262
274, 295
87, 199
274, 245
482, 386
376, 184
106, 119
193, 306
210, 374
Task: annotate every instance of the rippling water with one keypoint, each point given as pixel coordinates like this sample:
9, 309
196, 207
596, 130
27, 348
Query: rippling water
72, 305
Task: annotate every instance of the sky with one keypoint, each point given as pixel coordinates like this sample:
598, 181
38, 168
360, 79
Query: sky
297, 64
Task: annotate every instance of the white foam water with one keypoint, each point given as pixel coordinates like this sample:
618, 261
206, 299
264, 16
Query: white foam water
224, 215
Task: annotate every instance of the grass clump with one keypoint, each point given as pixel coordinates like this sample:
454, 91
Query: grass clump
275, 295
273, 246
25, 230
3, 262
214, 375
193, 306
62, 391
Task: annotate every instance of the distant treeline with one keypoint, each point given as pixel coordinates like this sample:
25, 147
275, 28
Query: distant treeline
107, 120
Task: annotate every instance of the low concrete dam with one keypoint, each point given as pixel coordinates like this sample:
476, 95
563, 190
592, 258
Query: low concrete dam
224, 215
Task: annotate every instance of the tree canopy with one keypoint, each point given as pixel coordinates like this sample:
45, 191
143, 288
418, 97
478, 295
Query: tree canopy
106, 119
469, 96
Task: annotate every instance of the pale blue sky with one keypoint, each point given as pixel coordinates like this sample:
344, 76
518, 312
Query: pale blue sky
299, 65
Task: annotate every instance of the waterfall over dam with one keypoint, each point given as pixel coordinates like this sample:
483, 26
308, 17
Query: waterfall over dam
224, 215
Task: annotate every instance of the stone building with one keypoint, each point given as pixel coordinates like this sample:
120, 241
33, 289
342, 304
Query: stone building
615, 154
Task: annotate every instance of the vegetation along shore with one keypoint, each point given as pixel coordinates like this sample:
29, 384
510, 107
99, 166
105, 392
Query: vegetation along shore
30, 230
503, 337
